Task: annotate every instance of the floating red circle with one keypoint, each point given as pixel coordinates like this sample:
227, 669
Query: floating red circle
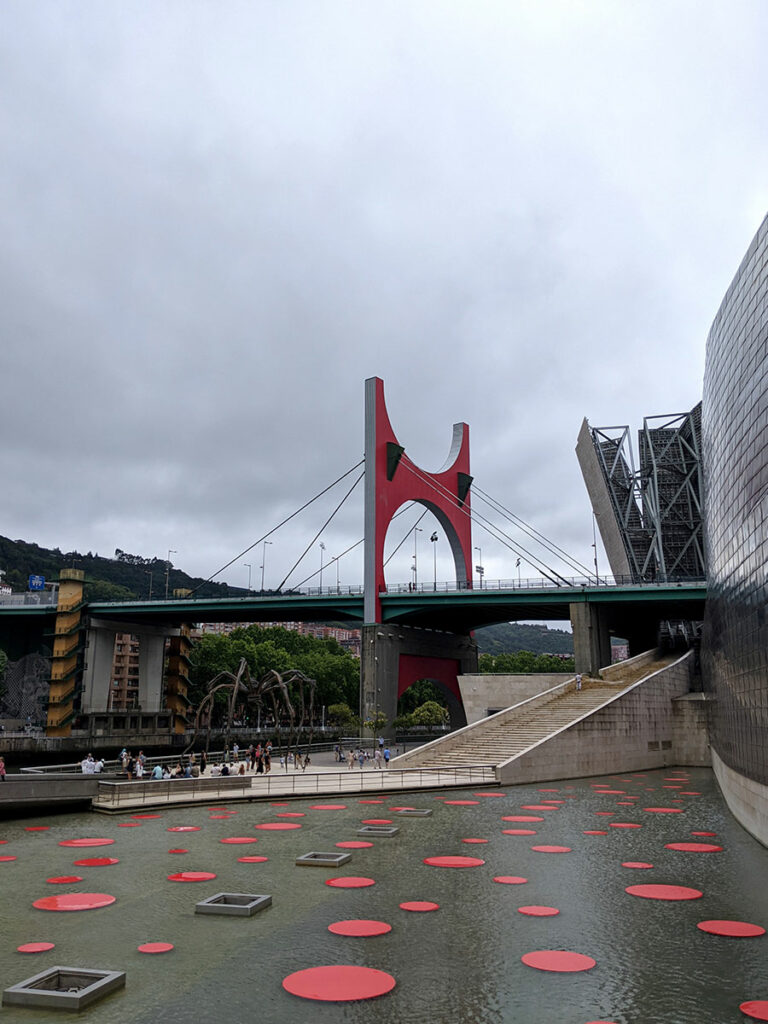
510, 880
74, 901
605, 814
7, 858
504, 794
377, 821
178, 851
238, 840
757, 1009
733, 929
694, 847
703, 833
663, 810
538, 807
291, 814
353, 844
339, 983
664, 892
219, 817
521, 817
155, 947
551, 849
689, 792
86, 842
96, 862
474, 840
277, 826
370, 801
36, 828
146, 817
350, 882
64, 879
594, 832
328, 807
538, 911
129, 824
519, 831
35, 947
549, 790
252, 860
183, 828
559, 960
419, 906
454, 862
623, 824
612, 792
192, 876
636, 864
461, 803
360, 928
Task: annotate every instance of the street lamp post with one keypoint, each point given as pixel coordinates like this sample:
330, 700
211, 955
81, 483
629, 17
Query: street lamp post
263, 561
479, 568
171, 551
248, 567
416, 531
519, 581
433, 538
338, 591
322, 549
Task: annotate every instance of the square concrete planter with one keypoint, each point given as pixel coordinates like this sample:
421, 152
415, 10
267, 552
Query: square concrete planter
234, 904
64, 988
323, 860
414, 812
378, 830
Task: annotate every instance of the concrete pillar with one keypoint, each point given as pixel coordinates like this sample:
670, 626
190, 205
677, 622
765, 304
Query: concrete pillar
151, 659
97, 674
591, 638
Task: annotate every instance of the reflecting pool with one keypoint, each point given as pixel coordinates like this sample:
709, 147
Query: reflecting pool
462, 962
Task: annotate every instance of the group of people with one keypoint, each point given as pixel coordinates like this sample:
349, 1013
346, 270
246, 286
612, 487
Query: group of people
91, 765
380, 758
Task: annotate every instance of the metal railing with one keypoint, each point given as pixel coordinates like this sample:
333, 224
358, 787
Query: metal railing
42, 597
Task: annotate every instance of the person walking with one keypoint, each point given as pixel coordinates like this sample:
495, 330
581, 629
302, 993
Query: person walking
2, 769
387, 756
578, 680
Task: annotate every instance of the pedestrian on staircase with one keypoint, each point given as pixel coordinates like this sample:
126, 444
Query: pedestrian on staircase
578, 680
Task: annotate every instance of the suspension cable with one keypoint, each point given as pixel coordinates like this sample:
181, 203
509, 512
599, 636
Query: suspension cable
405, 537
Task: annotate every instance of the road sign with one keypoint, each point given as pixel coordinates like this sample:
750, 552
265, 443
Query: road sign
37, 582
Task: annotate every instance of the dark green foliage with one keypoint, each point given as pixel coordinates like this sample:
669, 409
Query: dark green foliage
508, 637
418, 693
524, 661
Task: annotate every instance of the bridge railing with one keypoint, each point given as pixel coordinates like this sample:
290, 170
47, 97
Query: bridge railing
41, 597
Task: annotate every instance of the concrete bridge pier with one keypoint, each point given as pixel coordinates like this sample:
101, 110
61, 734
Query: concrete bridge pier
97, 673
591, 637
394, 656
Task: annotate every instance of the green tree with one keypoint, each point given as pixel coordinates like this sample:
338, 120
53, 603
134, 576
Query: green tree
430, 715
344, 718
418, 693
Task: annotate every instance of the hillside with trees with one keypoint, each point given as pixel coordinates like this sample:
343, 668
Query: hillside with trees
508, 637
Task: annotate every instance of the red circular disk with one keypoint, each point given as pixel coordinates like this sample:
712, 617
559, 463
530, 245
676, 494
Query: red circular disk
757, 1009
192, 876
605, 814
733, 929
64, 879
558, 960
350, 882
635, 864
377, 821
353, 844
360, 928
689, 792
370, 801
277, 826
291, 814
474, 840
392, 809
419, 906
623, 824
339, 983
519, 831
612, 792
549, 790
453, 862
504, 794
663, 810
183, 828
238, 840
129, 824
175, 850
3, 842
146, 817
664, 892
625, 803
594, 832
694, 847
155, 947
537, 807
219, 817
703, 833
275, 803
538, 911
252, 860
35, 947
671, 787
86, 842
328, 807
551, 849
74, 901
36, 828
510, 880
521, 817
7, 858
460, 803
96, 862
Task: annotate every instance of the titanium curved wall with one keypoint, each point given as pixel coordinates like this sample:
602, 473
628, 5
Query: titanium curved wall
735, 447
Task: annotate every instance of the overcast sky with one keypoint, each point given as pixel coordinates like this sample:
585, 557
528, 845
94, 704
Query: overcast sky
217, 219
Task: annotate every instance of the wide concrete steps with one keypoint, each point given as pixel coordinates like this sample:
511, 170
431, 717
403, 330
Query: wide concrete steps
498, 740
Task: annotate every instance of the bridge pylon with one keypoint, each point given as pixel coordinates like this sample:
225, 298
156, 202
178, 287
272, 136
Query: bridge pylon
391, 480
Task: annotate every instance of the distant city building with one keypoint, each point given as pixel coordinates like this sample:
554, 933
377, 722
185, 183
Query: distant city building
4, 588
124, 688
349, 639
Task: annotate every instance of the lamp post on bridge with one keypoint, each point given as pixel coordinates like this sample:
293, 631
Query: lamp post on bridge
263, 561
416, 531
322, 549
519, 581
338, 590
479, 569
171, 551
433, 538
248, 567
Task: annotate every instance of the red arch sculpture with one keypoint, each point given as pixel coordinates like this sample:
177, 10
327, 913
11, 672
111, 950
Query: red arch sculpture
391, 479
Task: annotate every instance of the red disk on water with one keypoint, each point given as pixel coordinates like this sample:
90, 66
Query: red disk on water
146, 816
377, 821
353, 844
521, 817
510, 880
454, 862
605, 814
339, 983
538, 807
402, 809
7, 858
613, 792
183, 828
549, 790
636, 864
175, 850
277, 826
64, 879
360, 928
757, 1009
689, 792
664, 892
74, 901
733, 929
291, 814
36, 828
155, 947
35, 947
518, 831
461, 803
350, 882
219, 817
276, 803
703, 833
419, 906
129, 824
663, 810
504, 794
328, 807
192, 876
96, 862
370, 801
551, 849
252, 860
538, 911
623, 824
474, 840
86, 842
594, 832
558, 960
694, 847
238, 840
